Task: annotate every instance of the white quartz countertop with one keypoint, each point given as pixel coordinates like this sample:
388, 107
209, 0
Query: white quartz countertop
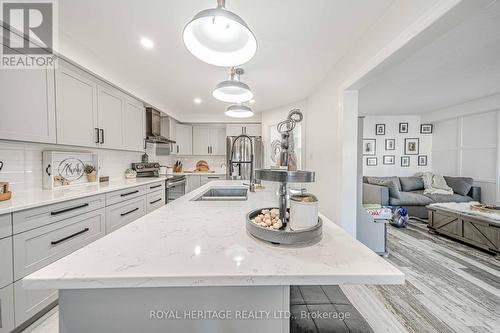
35, 198
205, 243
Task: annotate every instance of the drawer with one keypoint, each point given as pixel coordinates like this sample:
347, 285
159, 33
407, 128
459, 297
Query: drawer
125, 212
154, 201
29, 302
160, 186
5, 225
40, 216
7, 309
122, 195
207, 178
37, 248
6, 262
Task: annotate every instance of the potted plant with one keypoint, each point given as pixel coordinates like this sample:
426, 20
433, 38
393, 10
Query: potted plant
89, 170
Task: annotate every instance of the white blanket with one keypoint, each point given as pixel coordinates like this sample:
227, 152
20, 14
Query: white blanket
435, 184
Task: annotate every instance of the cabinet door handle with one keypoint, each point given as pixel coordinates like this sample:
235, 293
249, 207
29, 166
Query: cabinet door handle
177, 149
68, 209
130, 212
153, 202
97, 135
69, 237
156, 186
129, 193
213, 177
102, 135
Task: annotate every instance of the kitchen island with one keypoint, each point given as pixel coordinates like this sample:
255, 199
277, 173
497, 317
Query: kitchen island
192, 267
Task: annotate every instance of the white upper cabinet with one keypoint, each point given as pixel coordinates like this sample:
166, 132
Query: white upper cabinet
209, 140
248, 129
217, 141
201, 140
111, 118
134, 126
91, 113
184, 138
76, 107
27, 110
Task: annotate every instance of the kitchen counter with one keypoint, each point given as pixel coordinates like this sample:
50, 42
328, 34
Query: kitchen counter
197, 255
35, 198
200, 243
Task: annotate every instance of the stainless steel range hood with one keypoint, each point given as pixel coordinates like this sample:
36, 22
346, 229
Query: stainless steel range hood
163, 145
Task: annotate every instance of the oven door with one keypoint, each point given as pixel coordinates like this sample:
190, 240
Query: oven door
175, 189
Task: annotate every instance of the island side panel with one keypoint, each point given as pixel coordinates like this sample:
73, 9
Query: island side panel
247, 309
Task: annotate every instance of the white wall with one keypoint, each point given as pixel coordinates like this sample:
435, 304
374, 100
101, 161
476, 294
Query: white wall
328, 127
272, 118
23, 163
468, 146
392, 132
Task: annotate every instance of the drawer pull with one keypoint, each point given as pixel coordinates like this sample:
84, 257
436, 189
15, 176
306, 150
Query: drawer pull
153, 202
213, 177
129, 193
70, 236
156, 186
130, 212
68, 209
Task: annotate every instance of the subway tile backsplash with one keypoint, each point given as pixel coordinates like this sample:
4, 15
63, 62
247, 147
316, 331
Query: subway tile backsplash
23, 163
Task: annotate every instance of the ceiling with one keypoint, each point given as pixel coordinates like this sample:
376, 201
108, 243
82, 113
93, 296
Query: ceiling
298, 42
460, 65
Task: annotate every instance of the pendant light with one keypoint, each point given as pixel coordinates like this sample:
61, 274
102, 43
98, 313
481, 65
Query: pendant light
220, 37
233, 90
239, 111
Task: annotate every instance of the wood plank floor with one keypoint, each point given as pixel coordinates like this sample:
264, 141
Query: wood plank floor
450, 287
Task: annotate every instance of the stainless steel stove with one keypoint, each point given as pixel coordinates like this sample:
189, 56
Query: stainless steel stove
175, 187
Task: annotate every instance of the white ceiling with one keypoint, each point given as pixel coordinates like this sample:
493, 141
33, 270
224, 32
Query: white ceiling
298, 42
461, 65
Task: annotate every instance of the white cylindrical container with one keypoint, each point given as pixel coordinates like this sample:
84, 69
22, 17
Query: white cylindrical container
303, 211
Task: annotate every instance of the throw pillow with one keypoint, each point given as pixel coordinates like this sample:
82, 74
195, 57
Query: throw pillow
409, 184
460, 185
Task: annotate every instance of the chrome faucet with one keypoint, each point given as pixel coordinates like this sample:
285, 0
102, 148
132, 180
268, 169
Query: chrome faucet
232, 163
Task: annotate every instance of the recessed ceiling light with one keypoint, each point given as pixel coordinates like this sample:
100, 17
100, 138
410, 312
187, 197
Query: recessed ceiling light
197, 100
147, 43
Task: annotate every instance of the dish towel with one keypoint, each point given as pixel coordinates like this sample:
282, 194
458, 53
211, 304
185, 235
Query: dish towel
435, 184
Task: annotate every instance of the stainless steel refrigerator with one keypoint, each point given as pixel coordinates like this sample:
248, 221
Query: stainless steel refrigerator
242, 153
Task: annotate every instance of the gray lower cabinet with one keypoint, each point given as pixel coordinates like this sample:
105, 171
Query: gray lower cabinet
5, 225
208, 178
37, 217
28, 303
39, 247
126, 194
7, 309
6, 275
155, 200
123, 213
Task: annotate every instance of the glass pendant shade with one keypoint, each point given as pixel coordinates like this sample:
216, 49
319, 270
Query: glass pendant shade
232, 91
239, 111
220, 37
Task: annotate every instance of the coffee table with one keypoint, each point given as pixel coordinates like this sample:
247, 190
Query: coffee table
465, 225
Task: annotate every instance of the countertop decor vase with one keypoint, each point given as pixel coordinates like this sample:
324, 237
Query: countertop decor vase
91, 177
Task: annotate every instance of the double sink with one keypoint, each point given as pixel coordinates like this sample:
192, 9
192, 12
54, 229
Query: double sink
223, 194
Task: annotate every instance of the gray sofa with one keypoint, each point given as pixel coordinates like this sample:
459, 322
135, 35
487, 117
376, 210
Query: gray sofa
408, 192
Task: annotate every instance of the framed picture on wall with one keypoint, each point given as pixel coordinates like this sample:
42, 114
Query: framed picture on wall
422, 160
369, 147
380, 129
412, 146
390, 144
403, 127
389, 159
371, 161
426, 129
405, 161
